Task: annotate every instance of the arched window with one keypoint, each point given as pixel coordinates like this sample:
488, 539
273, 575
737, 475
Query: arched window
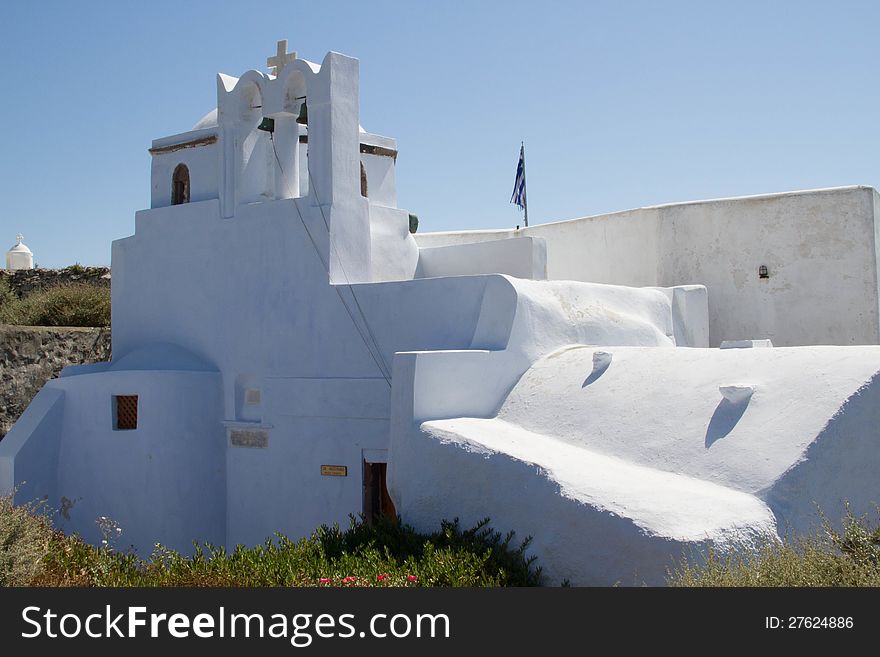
363, 180
180, 185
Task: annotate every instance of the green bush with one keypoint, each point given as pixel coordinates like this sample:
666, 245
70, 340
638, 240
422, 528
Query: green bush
25, 535
849, 557
70, 304
387, 553
7, 296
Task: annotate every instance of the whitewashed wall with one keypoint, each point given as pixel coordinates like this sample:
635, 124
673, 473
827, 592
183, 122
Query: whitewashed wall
162, 482
618, 465
819, 247
380, 170
819, 251
262, 311
203, 163
525, 257
313, 422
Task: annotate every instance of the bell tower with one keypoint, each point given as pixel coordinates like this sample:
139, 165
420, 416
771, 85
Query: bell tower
297, 129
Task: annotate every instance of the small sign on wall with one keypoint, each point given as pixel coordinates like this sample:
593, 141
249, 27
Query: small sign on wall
334, 470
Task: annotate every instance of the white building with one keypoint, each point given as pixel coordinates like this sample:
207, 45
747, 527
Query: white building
316, 360
19, 256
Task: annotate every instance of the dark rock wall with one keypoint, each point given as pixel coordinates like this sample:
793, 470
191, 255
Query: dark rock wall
31, 355
25, 281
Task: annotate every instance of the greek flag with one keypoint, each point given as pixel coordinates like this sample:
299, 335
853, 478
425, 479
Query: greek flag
519, 187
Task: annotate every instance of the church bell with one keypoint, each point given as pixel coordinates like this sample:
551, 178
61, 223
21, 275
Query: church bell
303, 117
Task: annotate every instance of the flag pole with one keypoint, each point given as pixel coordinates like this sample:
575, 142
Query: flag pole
525, 194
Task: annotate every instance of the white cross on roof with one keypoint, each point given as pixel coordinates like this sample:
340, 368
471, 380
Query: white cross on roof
19, 238
280, 58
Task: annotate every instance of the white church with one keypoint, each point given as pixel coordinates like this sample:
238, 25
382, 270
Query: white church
624, 388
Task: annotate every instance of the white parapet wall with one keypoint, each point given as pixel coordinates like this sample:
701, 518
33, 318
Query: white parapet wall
690, 314
29, 453
819, 248
523, 257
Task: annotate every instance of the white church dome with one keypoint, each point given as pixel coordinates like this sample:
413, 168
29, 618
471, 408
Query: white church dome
209, 120
19, 256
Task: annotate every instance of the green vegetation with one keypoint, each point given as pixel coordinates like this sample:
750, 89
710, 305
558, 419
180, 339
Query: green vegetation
387, 553
25, 536
390, 553
7, 296
849, 557
68, 304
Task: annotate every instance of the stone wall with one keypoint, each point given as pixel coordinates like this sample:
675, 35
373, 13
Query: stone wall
25, 281
31, 355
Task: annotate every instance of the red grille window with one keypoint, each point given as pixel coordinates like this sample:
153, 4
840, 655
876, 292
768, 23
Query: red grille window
126, 412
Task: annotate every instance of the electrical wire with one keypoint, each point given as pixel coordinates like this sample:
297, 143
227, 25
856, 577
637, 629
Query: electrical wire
380, 361
342, 266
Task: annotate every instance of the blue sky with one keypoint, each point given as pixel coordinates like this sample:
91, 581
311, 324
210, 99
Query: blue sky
621, 104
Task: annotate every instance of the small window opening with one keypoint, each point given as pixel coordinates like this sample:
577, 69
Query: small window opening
126, 412
364, 190
763, 272
377, 501
180, 185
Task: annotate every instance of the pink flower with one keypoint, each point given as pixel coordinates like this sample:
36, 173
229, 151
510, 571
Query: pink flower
349, 580
411, 578
381, 578
325, 580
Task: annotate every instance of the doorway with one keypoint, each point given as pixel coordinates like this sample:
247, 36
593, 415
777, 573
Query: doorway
377, 501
